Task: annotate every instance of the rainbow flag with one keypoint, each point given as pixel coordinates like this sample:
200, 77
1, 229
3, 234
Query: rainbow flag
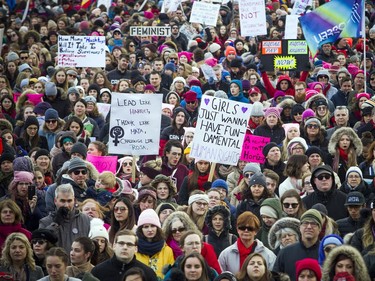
85, 4
333, 20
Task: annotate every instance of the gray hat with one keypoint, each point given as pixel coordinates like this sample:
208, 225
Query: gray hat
24, 67
214, 47
24, 83
75, 164
72, 72
12, 56
51, 114
73, 90
252, 167
257, 109
258, 178
355, 198
221, 94
79, 148
90, 99
50, 89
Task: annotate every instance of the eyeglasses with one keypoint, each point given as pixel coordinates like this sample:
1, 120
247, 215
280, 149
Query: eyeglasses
323, 177
372, 78
298, 113
312, 126
38, 241
324, 77
121, 209
299, 90
127, 244
77, 172
311, 223
297, 148
200, 204
246, 228
24, 58
288, 205
51, 121
321, 108
248, 175
180, 229
13, 35
127, 164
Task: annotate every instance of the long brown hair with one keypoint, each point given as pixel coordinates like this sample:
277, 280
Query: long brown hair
242, 274
204, 276
294, 194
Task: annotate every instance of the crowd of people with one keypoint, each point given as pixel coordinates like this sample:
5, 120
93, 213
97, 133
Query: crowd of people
306, 213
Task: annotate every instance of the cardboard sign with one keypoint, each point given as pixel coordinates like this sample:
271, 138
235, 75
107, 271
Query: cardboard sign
252, 149
299, 6
220, 130
150, 31
104, 109
103, 163
81, 51
291, 25
135, 124
204, 13
285, 55
252, 17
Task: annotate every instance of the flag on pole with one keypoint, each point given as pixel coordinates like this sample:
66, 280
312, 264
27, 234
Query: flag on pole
333, 20
85, 4
11, 5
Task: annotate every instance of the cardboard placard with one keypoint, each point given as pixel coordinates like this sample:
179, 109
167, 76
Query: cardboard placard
150, 31
252, 17
252, 149
204, 13
103, 163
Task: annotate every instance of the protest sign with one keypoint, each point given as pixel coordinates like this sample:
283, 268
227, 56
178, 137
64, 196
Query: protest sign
291, 25
208, 72
104, 109
106, 3
299, 6
150, 31
284, 55
173, 5
252, 17
220, 130
252, 149
188, 30
81, 51
103, 163
204, 13
135, 124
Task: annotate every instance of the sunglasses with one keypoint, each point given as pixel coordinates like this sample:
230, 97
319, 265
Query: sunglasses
38, 241
24, 58
324, 76
51, 121
323, 177
372, 78
127, 164
246, 228
288, 205
190, 102
311, 126
77, 172
248, 175
180, 229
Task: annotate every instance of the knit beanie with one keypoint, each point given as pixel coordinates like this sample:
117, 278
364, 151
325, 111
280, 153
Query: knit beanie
272, 111
219, 183
150, 172
251, 167
258, 178
297, 140
170, 66
310, 120
190, 96
23, 176
196, 197
297, 108
289, 126
79, 148
94, 87
230, 50
332, 240
257, 109
246, 86
149, 216
41, 108
321, 208
214, 47
146, 192
308, 113
165, 206
51, 114
97, 229
75, 164
42, 152
268, 147
278, 94
149, 87
268, 211
355, 170
90, 99
312, 215
50, 89
6, 157
31, 120
310, 264
23, 164
314, 150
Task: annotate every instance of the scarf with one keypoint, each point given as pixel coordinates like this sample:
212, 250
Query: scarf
244, 252
175, 248
150, 248
343, 155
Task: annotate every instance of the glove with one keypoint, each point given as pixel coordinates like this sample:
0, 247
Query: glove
207, 185
61, 214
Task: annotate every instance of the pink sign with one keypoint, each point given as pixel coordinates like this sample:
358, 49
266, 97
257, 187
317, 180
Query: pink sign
103, 163
252, 149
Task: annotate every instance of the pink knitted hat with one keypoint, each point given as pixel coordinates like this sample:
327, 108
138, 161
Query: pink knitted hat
272, 111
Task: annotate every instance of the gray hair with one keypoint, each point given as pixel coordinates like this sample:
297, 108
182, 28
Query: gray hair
64, 188
341, 107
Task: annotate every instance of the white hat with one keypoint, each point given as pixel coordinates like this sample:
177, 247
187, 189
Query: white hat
97, 229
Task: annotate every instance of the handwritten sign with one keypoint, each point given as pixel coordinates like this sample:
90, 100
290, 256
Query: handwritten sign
220, 130
135, 124
252, 149
150, 31
297, 47
271, 47
106, 3
291, 25
252, 17
103, 163
299, 6
81, 51
205, 13
104, 109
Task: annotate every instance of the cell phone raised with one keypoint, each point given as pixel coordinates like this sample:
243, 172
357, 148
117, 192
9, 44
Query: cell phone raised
31, 191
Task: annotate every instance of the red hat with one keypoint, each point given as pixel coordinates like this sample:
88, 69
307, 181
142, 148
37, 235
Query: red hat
150, 87
254, 90
230, 50
190, 96
310, 264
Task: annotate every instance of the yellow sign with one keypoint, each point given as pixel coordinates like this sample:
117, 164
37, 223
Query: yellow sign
285, 62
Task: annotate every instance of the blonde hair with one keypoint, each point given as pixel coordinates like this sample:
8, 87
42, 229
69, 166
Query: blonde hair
107, 178
6, 259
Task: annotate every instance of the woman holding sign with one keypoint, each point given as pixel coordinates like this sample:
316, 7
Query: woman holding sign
271, 126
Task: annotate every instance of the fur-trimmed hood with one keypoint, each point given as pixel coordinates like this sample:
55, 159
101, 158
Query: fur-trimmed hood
311, 100
287, 102
360, 270
282, 223
183, 217
333, 142
5, 124
222, 210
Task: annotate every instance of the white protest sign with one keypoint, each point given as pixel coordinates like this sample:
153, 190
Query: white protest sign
252, 17
135, 124
103, 108
299, 6
188, 30
173, 5
291, 24
106, 3
220, 130
204, 13
150, 31
208, 72
81, 51
165, 6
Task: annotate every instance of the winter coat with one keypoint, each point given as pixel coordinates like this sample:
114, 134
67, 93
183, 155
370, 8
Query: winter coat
363, 188
61, 103
340, 98
250, 205
287, 257
178, 173
240, 97
229, 259
367, 172
114, 270
76, 226
348, 225
360, 270
233, 180
31, 275
276, 134
51, 136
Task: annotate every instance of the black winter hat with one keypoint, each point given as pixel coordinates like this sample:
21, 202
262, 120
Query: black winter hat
45, 234
6, 157
297, 108
258, 178
31, 120
42, 152
268, 147
314, 149
79, 148
94, 87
